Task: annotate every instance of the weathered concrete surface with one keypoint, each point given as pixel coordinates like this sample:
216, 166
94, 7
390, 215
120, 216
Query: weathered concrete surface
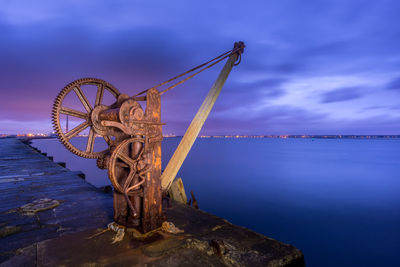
206, 241
27, 176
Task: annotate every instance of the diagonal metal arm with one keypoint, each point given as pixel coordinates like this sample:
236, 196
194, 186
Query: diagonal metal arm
82, 98
76, 130
99, 95
75, 113
195, 126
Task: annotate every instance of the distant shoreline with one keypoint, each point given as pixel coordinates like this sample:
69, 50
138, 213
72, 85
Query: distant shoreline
309, 136
238, 136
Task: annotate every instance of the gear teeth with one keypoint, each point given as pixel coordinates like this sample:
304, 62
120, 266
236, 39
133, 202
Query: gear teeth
55, 114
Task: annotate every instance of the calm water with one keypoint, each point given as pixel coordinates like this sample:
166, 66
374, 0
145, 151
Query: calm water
336, 200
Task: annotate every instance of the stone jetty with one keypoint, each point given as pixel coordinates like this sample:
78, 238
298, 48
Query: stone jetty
50, 216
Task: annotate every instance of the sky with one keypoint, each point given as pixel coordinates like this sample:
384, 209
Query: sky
309, 67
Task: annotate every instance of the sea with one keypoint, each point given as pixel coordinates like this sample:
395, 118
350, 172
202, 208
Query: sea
337, 200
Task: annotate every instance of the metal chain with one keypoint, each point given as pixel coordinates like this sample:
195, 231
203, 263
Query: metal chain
218, 58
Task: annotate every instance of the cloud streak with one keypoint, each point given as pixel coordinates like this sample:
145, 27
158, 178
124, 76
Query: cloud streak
394, 84
341, 94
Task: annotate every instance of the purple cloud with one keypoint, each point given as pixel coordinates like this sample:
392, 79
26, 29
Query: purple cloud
341, 94
394, 84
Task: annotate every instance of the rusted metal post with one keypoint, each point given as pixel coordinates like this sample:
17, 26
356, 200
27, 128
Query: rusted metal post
152, 195
195, 126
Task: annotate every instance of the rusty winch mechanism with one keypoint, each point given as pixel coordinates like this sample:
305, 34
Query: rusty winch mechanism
133, 136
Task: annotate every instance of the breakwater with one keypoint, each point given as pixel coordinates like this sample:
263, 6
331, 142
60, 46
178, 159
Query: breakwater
51, 216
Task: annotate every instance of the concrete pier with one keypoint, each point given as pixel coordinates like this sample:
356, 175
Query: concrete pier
49, 216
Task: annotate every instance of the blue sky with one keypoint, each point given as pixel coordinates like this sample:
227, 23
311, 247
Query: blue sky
310, 67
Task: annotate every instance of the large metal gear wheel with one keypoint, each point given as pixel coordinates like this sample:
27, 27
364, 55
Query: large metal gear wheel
132, 184
121, 154
58, 109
